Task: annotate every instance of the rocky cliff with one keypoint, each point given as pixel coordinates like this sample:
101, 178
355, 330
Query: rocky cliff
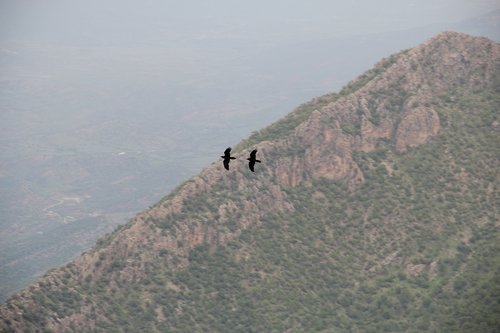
324, 166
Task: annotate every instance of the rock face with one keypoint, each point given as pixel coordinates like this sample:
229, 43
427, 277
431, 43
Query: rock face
390, 104
416, 127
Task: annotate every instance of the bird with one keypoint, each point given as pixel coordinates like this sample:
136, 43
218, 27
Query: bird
227, 158
252, 159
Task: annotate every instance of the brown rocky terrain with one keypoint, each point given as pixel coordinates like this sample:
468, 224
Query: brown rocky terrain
392, 103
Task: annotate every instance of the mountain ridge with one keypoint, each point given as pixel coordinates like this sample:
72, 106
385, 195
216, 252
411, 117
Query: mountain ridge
391, 108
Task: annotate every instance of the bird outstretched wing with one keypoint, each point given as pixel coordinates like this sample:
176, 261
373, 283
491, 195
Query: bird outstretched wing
227, 152
253, 153
251, 164
226, 164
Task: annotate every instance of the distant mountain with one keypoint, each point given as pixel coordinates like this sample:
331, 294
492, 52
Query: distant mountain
375, 209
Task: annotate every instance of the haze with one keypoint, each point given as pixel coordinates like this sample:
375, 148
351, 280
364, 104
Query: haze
105, 106
84, 23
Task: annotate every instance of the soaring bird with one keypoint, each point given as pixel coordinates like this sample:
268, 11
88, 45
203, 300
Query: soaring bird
252, 159
227, 158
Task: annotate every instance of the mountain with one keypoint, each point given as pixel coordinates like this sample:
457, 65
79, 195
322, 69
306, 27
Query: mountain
375, 209
88, 127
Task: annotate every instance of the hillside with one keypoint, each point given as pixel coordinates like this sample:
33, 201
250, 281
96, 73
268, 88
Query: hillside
375, 209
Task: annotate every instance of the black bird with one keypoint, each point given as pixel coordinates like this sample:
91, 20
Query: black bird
227, 158
252, 159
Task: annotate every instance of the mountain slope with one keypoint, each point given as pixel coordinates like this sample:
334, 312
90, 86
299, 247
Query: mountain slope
376, 209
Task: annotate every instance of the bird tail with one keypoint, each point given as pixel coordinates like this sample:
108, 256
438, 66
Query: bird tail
257, 161
233, 158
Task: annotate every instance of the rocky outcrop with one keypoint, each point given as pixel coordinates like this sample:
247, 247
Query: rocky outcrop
416, 127
394, 105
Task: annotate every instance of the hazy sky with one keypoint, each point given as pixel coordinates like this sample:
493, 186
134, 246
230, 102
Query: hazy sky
158, 21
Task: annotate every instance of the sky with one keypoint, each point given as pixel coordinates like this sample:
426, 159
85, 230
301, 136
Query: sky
132, 22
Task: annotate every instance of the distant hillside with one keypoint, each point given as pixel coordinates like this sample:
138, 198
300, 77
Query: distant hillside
376, 209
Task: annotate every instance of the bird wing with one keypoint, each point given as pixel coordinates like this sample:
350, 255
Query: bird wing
226, 164
227, 152
253, 153
251, 165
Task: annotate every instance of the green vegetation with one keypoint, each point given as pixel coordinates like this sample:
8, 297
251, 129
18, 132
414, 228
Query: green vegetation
413, 249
